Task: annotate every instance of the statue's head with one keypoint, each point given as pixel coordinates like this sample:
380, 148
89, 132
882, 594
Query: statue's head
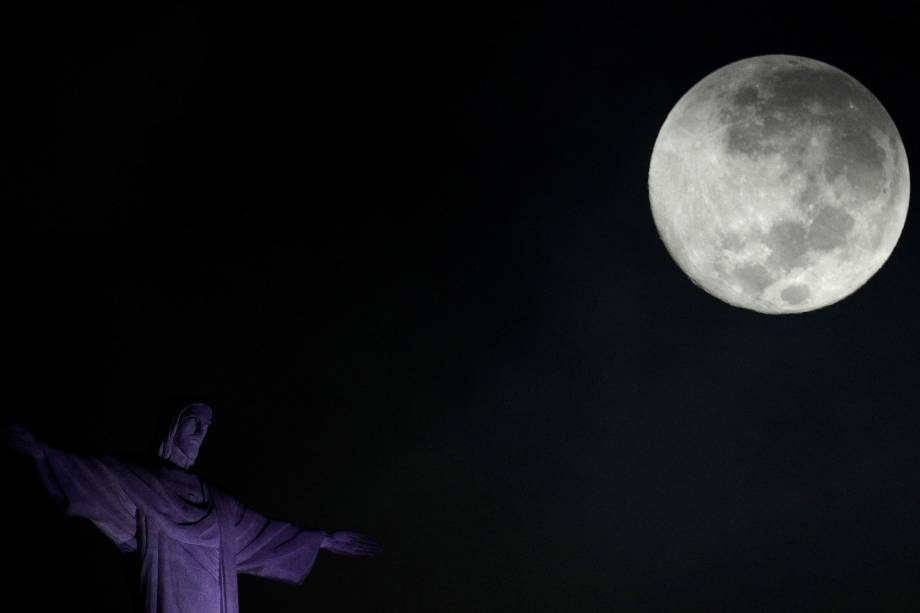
186, 434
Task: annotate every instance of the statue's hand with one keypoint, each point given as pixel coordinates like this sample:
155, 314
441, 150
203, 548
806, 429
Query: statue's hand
21, 440
351, 544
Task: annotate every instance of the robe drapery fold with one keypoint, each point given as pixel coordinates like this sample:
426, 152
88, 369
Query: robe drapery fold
192, 539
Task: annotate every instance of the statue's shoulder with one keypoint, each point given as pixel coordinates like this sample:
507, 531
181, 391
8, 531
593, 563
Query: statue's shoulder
121, 464
145, 471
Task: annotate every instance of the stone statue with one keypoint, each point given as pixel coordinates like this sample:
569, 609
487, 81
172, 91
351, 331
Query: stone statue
192, 538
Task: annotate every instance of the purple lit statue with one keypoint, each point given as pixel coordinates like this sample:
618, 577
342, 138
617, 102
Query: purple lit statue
192, 538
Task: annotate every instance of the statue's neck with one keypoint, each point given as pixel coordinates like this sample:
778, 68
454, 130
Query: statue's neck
177, 457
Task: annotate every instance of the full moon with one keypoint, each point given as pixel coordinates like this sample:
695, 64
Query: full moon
779, 184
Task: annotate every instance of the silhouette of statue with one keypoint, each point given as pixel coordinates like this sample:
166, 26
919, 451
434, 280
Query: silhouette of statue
191, 537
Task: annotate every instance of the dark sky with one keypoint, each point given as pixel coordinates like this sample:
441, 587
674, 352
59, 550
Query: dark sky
407, 255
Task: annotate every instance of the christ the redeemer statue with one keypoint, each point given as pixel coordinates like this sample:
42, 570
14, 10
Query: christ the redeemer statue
192, 538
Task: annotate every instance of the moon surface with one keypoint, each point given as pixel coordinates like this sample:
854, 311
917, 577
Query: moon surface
779, 184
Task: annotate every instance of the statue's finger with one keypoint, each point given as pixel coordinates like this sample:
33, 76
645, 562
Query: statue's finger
371, 549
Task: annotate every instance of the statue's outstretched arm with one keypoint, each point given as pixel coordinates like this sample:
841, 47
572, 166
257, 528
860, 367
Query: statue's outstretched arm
81, 487
279, 550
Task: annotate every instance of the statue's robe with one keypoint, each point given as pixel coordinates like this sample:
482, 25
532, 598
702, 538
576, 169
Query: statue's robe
192, 538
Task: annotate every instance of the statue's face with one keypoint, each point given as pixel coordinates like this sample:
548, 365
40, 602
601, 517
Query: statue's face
193, 428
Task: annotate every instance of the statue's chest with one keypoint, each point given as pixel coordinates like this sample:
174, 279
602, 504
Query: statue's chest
189, 488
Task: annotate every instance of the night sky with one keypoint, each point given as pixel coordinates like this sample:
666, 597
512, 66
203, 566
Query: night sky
407, 255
